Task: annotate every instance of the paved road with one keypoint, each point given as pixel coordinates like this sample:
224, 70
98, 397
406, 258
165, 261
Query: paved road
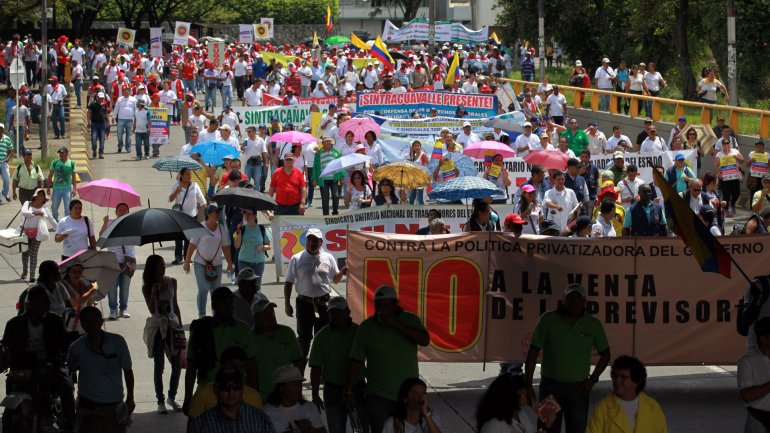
695, 398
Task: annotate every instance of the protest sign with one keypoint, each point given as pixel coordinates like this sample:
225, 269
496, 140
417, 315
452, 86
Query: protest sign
181, 33
417, 29
480, 294
126, 37
245, 33
402, 105
156, 47
447, 31
273, 100
286, 114
159, 124
268, 22
217, 53
428, 125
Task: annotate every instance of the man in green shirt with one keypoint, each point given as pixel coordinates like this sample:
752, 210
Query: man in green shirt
6, 152
327, 184
567, 336
388, 342
64, 180
329, 361
577, 140
275, 344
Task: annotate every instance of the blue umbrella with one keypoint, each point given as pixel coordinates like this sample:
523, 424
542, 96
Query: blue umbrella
464, 187
465, 165
212, 152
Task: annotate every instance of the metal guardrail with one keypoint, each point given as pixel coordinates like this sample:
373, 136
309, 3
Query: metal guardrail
592, 94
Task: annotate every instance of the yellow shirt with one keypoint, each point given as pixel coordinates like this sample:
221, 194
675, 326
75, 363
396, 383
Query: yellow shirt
205, 398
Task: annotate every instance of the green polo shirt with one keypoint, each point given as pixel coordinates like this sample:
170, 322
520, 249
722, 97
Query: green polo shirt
577, 141
282, 349
567, 347
234, 333
28, 178
330, 350
390, 356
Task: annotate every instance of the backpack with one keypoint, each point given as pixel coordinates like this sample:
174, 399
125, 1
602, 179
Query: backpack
500, 64
748, 309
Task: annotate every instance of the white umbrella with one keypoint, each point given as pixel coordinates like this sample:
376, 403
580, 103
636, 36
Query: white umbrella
99, 266
344, 162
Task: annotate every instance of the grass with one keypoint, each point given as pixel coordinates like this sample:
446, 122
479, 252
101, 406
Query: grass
749, 124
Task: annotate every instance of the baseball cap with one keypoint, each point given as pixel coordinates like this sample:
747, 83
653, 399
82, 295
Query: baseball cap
100, 95
262, 127
228, 376
547, 226
578, 63
575, 288
605, 60
261, 303
247, 274
287, 373
766, 177
527, 188
469, 124
617, 155
679, 157
385, 292
513, 218
63, 149
337, 303
582, 222
226, 106
27, 151
683, 118
226, 127
526, 124
332, 106
608, 187
315, 232
274, 119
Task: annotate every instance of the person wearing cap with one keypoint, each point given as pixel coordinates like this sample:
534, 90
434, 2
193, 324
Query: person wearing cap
680, 174
210, 337
329, 363
232, 412
560, 202
141, 130
226, 136
35, 226
254, 150
312, 271
514, 224
761, 199
63, 179
230, 118
629, 186
566, 362
653, 143
605, 77
287, 408
327, 184
467, 136
537, 178
251, 239
98, 122
582, 227
614, 142
57, 93
680, 126
28, 177
757, 163
387, 342
645, 217
526, 141
287, 185
248, 286
208, 252
618, 168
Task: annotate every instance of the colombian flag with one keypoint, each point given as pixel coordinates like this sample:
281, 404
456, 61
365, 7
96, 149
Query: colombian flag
380, 52
710, 254
357, 42
495, 38
329, 23
452, 72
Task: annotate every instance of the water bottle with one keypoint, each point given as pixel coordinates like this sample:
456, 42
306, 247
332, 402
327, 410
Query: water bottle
355, 421
231, 277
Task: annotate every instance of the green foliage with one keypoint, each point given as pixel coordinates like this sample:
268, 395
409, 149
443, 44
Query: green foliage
283, 11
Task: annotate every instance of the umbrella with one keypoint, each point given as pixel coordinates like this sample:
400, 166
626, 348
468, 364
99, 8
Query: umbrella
464, 187
547, 159
244, 198
292, 137
464, 164
191, 41
336, 40
509, 122
481, 149
175, 163
404, 175
344, 162
212, 152
359, 126
109, 193
705, 136
99, 266
149, 226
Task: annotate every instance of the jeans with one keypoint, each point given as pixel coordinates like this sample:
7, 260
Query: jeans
264, 178
180, 249
189, 86
327, 187
240, 85
337, 411
29, 68
287, 210
178, 111
6, 175
648, 104
211, 96
97, 135
227, 95
142, 138
205, 286
258, 268
573, 402
159, 360
604, 101
78, 84
63, 196
124, 129
57, 116
304, 92
123, 282
378, 410
310, 189
254, 174
307, 322
416, 196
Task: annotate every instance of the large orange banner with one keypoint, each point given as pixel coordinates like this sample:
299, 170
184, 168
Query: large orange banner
480, 294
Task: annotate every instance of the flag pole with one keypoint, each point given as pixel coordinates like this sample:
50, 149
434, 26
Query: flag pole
748, 280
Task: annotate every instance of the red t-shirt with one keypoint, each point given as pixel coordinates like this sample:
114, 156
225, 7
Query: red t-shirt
226, 176
288, 187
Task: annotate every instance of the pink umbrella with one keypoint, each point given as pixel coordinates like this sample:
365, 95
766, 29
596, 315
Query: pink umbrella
191, 41
482, 149
359, 126
109, 193
547, 159
293, 137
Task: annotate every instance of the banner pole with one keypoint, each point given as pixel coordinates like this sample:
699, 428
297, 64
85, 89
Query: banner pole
748, 280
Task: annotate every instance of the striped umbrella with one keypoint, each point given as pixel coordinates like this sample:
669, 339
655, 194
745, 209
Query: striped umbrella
175, 163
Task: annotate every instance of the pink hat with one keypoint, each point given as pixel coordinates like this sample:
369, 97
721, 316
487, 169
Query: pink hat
527, 188
360, 146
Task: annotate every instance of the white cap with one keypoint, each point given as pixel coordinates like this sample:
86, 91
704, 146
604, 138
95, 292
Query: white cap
605, 60
578, 63
100, 95
287, 373
466, 124
526, 124
315, 232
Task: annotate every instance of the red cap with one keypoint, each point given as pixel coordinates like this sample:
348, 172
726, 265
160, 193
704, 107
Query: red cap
513, 218
54, 78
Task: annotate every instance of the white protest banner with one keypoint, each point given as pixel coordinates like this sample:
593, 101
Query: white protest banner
447, 31
269, 23
286, 114
428, 125
246, 33
156, 47
443, 31
181, 33
126, 37
217, 53
417, 29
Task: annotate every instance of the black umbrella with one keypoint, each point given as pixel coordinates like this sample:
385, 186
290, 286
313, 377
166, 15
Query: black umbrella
244, 198
150, 226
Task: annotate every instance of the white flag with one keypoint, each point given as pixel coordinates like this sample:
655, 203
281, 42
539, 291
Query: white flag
246, 34
181, 33
156, 47
269, 23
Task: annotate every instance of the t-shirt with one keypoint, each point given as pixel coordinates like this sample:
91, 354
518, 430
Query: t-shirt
284, 418
209, 248
101, 374
78, 234
567, 347
234, 333
62, 173
557, 104
576, 141
98, 112
760, 196
527, 423
312, 275
282, 349
630, 408
330, 353
753, 370
288, 187
251, 238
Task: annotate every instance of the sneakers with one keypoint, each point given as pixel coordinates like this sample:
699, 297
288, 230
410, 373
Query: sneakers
173, 405
113, 315
125, 315
162, 409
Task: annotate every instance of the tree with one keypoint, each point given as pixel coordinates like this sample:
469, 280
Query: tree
82, 14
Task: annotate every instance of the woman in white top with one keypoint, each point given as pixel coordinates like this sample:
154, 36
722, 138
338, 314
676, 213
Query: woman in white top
504, 408
208, 252
635, 83
186, 196
75, 232
34, 226
420, 159
287, 408
359, 194
126, 256
412, 413
497, 174
709, 87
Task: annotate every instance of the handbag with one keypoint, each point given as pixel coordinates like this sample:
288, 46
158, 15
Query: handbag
178, 206
129, 266
179, 338
210, 272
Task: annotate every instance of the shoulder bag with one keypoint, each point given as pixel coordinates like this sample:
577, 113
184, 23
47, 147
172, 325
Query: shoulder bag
178, 206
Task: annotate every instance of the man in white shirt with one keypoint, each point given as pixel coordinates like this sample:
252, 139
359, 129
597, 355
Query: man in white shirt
604, 76
198, 121
471, 86
254, 151
653, 143
225, 134
499, 134
556, 106
526, 141
211, 133
185, 150
252, 97
617, 137
629, 187
56, 94
467, 136
559, 201
240, 71
226, 79
596, 139
124, 110
230, 118
328, 122
76, 78
369, 76
305, 75
397, 87
77, 53
141, 130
